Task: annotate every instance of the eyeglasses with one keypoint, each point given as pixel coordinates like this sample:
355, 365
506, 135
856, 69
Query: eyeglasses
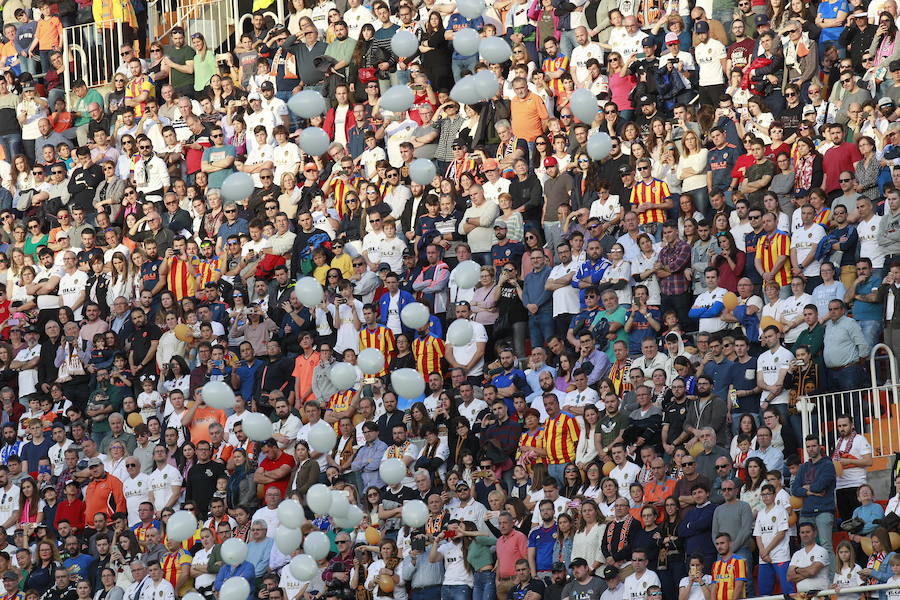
643, 168
212, 135
845, 180
230, 211
148, 147
688, 464
790, 95
565, 116
846, 80
358, 264
722, 467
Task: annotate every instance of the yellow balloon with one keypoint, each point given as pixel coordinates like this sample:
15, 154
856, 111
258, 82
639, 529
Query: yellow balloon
608, 467
386, 583
838, 469
768, 321
696, 449
895, 539
373, 536
792, 519
183, 332
796, 503
730, 300
135, 419
866, 543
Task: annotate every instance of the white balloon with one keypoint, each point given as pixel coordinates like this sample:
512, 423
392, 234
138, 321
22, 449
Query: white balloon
322, 437
317, 545
303, 567
584, 105
257, 426
464, 91
392, 471
319, 498
404, 44
218, 394
486, 83
599, 145
415, 315
290, 513
309, 291
398, 98
495, 50
234, 551
287, 539
408, 383
237, 187
193, 596
307, 104
339, 504
470, 9
460, 332
466, 40
371, 360
466, 274
182, 525
342, 375
234, 588
422, 171
314, 141
351, 519
414, 513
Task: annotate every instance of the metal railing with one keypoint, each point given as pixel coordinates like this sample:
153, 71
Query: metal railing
875, 410
91, 52
861, 589
211, 18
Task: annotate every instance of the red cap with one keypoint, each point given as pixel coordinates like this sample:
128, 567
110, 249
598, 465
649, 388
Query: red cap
550, 161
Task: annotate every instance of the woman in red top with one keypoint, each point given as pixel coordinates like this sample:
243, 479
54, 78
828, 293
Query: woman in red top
71, 509
730, 262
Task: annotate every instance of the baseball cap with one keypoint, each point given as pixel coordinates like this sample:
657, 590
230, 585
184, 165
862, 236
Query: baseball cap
95, 462
253, 96
501, 224
28, 86
895, 65
558, 566
578, 562
11, 575
408, 252
310, 166
384, 266
62, 234
809, 110
761, 20
671, 38
701, 27
860, 14
462, 484
608, 572
885, 101
648, 41
645, 100
625, 170
490, 164
266, 85
550, 162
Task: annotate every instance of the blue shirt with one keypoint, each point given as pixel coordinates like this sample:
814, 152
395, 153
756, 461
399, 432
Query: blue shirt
247, 373
245, 570
592, 271
721, 162
216, 153
542, 540
239, 226
867, 311
258, 554
642, 330
743, 378
457, 22
515, 377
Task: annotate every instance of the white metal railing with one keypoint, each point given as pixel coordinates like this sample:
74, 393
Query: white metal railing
211, 18
844, 590
91, 52
868, 407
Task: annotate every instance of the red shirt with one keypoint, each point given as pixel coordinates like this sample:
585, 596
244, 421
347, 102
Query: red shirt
837, 159
271, 465
73, 512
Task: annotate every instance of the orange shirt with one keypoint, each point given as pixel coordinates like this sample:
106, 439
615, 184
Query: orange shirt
205, 416
48, 33
104, 495
657, 492
303, 371
528, 116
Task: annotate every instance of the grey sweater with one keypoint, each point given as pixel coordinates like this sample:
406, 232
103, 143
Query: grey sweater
735, 519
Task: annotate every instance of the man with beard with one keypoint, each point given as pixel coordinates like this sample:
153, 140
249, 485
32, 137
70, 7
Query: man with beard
815, 484
274, 378
527, 192
854, 453
142, 357
674, 415
200, 482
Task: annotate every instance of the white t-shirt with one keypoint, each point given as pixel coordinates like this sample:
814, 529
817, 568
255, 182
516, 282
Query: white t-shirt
791, 310
769, 364
371, 245
455, 572
806, 241
28, 378
868, 241
9, 503
161, 483
625, 475
804, 558
136, 490
270, 517
565, 299
894, 593
463, 354
493, 190
705, 300
768, 524
848, 577
474, 511
708, 57
70, 287
581, 55
855, 448
201, 559
57, 456
696, 593
636, 588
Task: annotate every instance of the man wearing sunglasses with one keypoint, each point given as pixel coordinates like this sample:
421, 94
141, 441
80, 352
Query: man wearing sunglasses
151, 175
218, 160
